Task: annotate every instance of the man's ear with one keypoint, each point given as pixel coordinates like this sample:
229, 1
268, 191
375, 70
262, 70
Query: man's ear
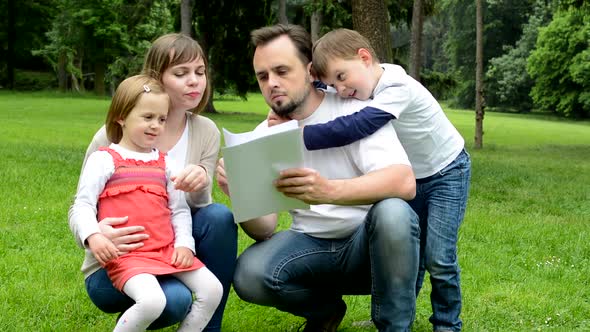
312, 73
365, 55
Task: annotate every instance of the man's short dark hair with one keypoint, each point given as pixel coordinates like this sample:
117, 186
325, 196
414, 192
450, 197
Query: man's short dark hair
298, 35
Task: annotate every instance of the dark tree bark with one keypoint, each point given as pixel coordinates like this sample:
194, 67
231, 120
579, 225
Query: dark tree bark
62, 74
416, 40
479, 100
186, 17
283, 12
371, 19
99, 74
11, 42
316, 21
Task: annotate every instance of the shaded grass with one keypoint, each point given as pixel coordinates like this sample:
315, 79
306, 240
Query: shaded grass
523, 246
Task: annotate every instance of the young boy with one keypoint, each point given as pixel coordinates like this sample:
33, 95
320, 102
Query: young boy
345, 60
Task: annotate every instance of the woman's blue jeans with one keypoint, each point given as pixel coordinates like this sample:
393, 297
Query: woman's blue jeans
216, 240
307, 276
440, 203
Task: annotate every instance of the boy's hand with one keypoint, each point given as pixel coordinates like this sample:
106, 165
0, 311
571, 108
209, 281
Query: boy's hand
102, 248
182, 258
273, 119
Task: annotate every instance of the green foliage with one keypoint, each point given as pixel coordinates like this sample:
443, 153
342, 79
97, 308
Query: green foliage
110, 33
507, 82
438, 83
560, 64
225, 33
26, 80
503, 21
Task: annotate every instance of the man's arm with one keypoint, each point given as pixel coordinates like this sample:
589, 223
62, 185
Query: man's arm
309, 186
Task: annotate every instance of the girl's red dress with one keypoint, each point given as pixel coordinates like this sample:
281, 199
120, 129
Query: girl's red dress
137, 189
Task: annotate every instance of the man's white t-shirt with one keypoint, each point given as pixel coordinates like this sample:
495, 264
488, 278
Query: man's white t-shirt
380, 150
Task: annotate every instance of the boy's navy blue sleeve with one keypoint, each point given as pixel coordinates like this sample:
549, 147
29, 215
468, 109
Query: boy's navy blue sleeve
345, 129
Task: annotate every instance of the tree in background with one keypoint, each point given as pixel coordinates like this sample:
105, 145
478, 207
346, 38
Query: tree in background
18, 36
107, 39
416, 41
560, 63
224, 32
370, 18
186, 17
479, 101
503, 26
509, 84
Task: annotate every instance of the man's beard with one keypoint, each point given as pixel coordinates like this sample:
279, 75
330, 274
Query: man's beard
285, 110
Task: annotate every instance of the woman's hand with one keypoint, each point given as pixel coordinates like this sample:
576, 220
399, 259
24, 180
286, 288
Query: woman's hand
125, 239
221, 177
192, 178
182, 257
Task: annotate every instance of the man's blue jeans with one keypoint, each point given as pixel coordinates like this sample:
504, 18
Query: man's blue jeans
440, 203
216, 240
307, 276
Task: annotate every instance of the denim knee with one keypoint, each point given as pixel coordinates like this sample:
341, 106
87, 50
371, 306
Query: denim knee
217, 217
394, 216
250, 277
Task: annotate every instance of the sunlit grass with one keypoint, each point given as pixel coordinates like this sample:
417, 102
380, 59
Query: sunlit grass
523, 246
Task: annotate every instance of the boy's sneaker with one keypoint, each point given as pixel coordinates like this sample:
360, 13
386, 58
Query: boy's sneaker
328, 324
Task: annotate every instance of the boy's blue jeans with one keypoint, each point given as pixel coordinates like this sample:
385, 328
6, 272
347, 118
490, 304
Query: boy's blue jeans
440, 203
216, 240
307, 276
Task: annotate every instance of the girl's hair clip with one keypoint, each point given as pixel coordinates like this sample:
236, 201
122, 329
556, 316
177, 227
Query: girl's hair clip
146, 88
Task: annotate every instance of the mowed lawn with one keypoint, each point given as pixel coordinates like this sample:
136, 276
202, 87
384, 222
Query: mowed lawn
524, 246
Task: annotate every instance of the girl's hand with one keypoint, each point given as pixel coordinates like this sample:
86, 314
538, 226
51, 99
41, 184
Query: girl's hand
124, 238
102, 248
182, 257
192, 178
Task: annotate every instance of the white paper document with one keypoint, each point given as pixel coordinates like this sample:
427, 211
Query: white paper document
253, 161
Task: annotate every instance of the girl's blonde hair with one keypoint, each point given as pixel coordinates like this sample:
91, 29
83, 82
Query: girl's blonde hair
126, 97
338, 44
171, 50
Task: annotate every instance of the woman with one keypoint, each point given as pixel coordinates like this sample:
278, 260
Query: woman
192, 141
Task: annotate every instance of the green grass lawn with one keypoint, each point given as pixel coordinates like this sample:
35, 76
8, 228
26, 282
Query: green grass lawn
524, 246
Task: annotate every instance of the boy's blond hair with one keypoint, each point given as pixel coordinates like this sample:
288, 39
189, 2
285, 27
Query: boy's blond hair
340, 44
126, 97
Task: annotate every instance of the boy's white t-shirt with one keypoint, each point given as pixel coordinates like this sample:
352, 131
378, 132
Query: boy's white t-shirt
429, 138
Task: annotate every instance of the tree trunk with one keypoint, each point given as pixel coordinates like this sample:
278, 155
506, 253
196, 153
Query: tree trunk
416, 41
371, 19
479, 102
316, 21
204, 41
283, 12
11, 42
186, 17
62, 74
99, 73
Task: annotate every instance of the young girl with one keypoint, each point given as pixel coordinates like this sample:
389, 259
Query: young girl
178, 62
131, 178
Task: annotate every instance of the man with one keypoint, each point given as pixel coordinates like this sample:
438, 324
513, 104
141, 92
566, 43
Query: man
342, 245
